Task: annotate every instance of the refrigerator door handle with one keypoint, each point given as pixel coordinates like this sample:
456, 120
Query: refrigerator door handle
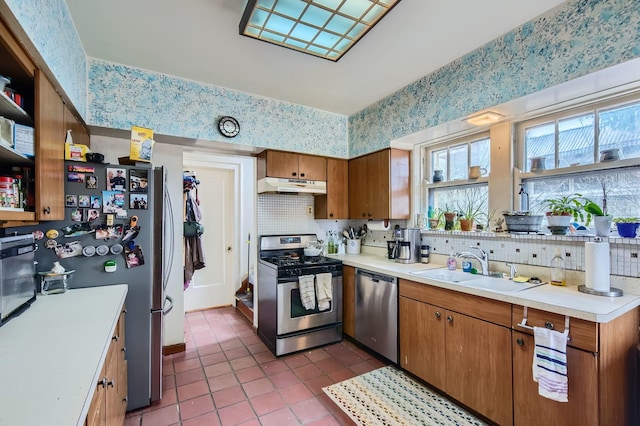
169, 308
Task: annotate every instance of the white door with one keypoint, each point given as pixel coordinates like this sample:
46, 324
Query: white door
213, 285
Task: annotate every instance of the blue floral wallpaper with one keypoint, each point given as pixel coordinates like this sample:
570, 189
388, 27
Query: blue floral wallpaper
50, 28
581, 37
121, 96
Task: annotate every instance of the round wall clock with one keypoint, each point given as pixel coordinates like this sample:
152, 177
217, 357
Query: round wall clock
229, 127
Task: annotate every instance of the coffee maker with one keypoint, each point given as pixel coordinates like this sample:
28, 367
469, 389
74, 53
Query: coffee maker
407, 245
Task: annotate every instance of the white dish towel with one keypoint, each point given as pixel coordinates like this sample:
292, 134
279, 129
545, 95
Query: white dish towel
307, 291
550, 364
324, 291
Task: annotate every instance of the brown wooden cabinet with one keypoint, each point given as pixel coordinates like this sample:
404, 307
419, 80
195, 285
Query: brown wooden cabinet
421, 322
335, 203
44, 110
379, 185
601, 367
50, 134
109, 402
290, 165
459, 344
349, 300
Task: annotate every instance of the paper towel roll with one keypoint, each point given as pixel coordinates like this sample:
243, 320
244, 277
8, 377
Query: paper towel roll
378, 225
597, 266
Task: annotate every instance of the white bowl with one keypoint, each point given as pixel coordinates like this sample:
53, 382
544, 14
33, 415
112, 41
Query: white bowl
312, 251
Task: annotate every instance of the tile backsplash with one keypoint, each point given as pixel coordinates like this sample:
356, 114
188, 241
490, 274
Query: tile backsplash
287, 214
537, 250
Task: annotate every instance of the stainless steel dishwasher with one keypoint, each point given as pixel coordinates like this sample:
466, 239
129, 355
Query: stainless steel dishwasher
377, 313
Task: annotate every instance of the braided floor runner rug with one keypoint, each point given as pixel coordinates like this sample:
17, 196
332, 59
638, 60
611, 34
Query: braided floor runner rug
387, 396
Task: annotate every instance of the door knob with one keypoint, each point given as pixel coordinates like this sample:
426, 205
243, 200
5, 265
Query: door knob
450, 318
438, 315
520, 342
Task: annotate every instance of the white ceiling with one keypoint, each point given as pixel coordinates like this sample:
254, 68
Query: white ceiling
199, 40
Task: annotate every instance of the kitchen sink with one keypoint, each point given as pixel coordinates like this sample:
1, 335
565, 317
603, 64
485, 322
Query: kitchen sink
447, 275
476, 281
499, 284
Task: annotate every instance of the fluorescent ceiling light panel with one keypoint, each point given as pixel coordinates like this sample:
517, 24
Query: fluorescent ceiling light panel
324, 28
487, 117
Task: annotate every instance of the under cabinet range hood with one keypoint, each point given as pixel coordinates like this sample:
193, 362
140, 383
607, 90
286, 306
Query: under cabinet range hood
291, 186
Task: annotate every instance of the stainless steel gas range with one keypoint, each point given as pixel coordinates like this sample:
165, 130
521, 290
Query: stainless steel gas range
284, 323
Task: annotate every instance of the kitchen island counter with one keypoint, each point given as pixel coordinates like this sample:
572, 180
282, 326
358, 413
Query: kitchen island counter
52, 354
561, 300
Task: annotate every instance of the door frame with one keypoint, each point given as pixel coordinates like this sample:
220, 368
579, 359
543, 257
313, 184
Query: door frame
244, 181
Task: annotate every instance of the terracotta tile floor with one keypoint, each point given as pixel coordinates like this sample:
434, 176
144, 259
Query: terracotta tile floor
227, 376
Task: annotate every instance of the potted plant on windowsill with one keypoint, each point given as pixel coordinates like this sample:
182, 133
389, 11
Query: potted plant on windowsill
435, 220
601, 220
471, 210
563, 209
449, 219
627, 226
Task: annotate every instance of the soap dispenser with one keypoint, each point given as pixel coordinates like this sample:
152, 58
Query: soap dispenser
452, 262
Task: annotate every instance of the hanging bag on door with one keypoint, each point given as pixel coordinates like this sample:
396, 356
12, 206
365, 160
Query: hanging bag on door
191, 227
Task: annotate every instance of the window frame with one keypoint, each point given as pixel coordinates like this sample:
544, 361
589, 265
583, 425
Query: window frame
448, 143
595, 108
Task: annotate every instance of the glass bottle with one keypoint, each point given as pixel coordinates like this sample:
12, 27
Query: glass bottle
558, 269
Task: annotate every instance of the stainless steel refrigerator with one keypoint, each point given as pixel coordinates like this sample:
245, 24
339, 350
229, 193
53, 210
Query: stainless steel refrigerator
146, 301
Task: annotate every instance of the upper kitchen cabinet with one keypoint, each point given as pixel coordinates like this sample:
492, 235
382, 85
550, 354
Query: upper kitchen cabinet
335, 203
290, 165
379, 185
44, 110
50, 134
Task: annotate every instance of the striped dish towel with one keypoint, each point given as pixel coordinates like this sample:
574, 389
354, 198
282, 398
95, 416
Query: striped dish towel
550, 364
307, 291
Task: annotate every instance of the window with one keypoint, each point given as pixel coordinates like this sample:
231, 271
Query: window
454, 158
454, 191
583, 151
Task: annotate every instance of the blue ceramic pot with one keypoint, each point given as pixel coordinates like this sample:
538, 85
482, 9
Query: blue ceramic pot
627, 230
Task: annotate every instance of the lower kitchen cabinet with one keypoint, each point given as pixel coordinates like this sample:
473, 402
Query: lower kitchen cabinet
460, 344
109, 402
349, 300
529, 408
602, 367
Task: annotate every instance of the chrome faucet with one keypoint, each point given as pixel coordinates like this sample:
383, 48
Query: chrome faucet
483, 258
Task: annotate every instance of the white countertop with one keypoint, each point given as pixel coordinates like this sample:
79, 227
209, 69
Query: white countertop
52, 354
562, 300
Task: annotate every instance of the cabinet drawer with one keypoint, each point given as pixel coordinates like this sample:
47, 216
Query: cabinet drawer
583, 334
474, 306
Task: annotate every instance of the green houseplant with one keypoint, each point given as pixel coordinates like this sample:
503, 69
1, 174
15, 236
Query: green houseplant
601, 220
569, 205
436, 218
471, 209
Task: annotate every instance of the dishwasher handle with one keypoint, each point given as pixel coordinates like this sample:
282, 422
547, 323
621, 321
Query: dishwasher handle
376, 277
